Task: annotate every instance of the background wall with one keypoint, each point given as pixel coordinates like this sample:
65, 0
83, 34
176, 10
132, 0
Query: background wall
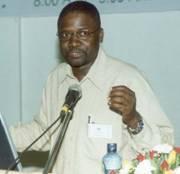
29, 51
10, 84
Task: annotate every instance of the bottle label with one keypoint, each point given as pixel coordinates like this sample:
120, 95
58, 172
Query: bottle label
111, 164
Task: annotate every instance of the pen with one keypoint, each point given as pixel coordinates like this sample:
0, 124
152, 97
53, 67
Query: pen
89, 119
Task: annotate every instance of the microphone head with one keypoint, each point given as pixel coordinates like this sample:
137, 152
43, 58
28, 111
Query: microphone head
73, 95
76, 88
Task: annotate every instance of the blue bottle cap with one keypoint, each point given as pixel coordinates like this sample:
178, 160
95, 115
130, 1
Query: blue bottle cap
111, 147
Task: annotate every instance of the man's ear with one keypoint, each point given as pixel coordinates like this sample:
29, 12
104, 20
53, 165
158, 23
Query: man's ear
101, 35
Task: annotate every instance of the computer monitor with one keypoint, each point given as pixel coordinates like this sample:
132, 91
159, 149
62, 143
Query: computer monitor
8, 152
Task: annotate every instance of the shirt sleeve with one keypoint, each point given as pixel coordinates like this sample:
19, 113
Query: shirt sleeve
151, 136
157, 127
24, 134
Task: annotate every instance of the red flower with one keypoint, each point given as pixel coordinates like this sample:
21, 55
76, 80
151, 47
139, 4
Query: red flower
177, 149
164, 165
140, 157
112, 172
151, 154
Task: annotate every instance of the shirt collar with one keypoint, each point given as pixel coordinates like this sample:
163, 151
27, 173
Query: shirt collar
64, 72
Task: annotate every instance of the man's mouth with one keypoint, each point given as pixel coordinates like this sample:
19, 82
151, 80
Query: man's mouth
75, 53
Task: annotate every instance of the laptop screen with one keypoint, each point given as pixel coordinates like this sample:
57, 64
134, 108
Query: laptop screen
8, 153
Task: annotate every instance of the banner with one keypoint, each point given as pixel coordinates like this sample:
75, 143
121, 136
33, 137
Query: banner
53, 7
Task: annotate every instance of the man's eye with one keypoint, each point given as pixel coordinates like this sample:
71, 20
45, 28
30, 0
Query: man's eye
65, 35
83, 33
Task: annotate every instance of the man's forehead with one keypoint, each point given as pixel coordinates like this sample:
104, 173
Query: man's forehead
77, 18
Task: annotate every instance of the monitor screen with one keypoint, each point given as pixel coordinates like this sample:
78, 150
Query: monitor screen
8, 153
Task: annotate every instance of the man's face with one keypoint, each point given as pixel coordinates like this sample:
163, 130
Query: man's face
80, 37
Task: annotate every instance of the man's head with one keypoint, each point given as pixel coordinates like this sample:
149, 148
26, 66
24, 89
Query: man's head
81, 6
80, 34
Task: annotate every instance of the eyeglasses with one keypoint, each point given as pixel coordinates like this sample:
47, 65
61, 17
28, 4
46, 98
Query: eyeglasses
81, 34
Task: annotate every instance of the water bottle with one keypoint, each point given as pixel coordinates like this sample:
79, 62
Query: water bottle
112, 160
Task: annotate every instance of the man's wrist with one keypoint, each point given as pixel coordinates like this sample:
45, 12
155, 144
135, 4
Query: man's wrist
132, 120
135, 125
137, 129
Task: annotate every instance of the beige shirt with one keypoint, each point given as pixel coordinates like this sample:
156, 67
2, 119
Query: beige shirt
81, 154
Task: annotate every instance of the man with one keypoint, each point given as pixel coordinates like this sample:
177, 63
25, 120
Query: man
117, 104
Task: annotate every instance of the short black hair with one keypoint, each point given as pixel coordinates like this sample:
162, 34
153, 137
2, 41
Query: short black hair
81, 6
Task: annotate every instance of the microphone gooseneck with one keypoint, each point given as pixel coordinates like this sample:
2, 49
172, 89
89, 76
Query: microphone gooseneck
18, 159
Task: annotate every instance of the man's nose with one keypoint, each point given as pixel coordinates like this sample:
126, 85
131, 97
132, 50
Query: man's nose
74, 40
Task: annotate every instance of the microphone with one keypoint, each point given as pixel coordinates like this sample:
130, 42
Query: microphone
73, 95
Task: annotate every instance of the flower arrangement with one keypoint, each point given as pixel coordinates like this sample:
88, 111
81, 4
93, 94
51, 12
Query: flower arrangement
162, 159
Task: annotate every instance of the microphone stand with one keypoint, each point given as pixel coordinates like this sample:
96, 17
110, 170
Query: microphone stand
55, 150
